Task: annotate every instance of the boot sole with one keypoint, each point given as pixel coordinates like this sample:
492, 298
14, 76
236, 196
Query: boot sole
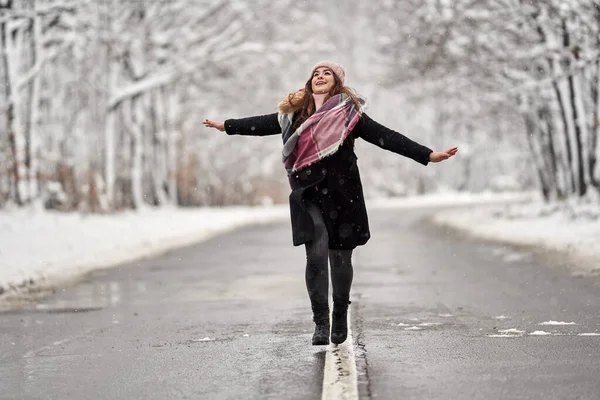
322, 342
339, 340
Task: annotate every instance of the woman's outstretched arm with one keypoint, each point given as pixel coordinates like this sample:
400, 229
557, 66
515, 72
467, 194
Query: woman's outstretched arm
261, 125
379, 135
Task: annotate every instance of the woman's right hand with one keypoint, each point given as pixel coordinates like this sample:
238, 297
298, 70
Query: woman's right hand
214, 124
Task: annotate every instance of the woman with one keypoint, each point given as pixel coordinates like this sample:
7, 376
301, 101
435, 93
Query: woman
319, 125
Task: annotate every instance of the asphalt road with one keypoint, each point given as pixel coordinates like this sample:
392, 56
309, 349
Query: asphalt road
435, 315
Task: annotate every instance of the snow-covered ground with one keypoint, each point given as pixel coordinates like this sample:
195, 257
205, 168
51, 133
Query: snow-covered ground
41, 249
570, 230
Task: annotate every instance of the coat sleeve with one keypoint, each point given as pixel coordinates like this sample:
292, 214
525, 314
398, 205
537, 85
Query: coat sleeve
261, 125
388, 139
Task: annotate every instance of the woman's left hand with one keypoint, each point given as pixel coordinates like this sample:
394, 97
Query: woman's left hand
437, 156
214, 124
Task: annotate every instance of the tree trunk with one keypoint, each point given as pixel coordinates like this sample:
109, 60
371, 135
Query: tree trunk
567, 128
171, 128
131, 114
12, 40
34, 142
159, 148
8, 88
595, 130
110, 129
577, 119
579, 133
546, 119
531, 131
564, 160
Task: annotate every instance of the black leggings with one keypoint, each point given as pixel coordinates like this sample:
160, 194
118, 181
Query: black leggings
317, 276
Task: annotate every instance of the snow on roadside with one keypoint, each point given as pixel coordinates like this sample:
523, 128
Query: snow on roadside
40, 248
571, 229
450, 199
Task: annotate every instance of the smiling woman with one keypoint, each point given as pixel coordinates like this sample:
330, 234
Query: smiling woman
323, 80
319, 125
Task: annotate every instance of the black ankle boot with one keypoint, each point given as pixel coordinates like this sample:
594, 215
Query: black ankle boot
321, 319
339, 328
321, 335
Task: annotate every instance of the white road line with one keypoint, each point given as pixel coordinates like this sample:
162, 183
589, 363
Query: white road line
339, 375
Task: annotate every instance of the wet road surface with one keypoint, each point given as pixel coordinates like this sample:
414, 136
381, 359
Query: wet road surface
435, 315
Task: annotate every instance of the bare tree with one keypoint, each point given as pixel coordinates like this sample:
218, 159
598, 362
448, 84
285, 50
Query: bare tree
541, 55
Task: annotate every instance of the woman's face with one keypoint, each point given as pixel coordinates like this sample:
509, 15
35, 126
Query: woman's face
322, 80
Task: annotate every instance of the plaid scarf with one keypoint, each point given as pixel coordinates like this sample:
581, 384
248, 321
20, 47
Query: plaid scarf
320, 135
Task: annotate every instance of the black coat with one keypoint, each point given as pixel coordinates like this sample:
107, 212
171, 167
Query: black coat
333, 183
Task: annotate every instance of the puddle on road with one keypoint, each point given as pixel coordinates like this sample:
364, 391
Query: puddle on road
66, 310
91, 296
250, 288
509, 255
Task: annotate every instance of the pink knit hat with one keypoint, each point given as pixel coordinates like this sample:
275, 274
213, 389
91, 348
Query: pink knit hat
337, 69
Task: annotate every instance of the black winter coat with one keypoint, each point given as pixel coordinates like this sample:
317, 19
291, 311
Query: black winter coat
333, 183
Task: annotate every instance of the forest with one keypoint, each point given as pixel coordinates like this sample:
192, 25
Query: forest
102, 101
